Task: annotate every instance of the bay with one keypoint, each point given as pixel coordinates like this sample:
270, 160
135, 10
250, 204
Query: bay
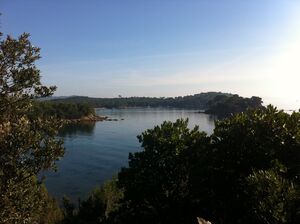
96, 151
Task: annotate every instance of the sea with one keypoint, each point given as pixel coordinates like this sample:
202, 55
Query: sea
96, 151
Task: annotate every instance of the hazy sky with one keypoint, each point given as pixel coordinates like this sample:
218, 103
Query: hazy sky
105, 48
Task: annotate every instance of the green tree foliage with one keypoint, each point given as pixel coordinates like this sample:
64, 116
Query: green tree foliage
156, 183
224, 106
100, 207
49, 212
69, 210
250, 142
272, 197
247, 171
62, 110
27, 144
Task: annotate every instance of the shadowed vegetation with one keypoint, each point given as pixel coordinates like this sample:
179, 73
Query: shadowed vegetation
247, 171
62, 110
28, 144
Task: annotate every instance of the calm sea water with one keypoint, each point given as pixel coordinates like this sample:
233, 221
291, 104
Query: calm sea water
97, 151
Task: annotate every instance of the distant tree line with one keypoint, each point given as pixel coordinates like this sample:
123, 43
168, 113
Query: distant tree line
62, 110
197, 101
217, 103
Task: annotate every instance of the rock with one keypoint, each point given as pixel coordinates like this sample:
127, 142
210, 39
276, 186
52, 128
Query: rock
89, 118
112, 119
203, 221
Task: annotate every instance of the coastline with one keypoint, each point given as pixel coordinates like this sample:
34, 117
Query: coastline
88, 118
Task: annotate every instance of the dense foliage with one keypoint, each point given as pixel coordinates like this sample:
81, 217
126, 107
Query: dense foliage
247, 171
62, 110
224, 106
97, 208
28, 144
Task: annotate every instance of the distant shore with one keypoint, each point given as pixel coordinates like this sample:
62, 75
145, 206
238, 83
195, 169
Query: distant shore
89, 118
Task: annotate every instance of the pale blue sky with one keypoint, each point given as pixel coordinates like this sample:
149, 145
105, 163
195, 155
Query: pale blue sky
162, 47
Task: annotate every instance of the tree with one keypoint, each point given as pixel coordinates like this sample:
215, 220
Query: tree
255, 141
99, 207
156, 183
272, 197
28, 144
224, 106
247, 171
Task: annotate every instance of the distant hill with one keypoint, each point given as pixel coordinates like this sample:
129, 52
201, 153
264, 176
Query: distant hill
224, 106
217, 103
53, 98
197, 101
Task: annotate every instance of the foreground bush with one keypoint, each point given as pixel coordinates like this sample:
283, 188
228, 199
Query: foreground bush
247, 171
248, 167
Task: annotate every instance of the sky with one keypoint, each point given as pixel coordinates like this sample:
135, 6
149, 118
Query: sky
106, 48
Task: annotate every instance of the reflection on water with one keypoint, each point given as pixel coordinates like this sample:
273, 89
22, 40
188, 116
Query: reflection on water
96, 151
73, 129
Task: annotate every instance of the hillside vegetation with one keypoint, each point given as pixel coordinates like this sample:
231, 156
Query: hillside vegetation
224, 106
59, 110
197, 101
217, 103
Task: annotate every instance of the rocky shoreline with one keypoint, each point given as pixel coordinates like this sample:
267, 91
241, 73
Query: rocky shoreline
89, 118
